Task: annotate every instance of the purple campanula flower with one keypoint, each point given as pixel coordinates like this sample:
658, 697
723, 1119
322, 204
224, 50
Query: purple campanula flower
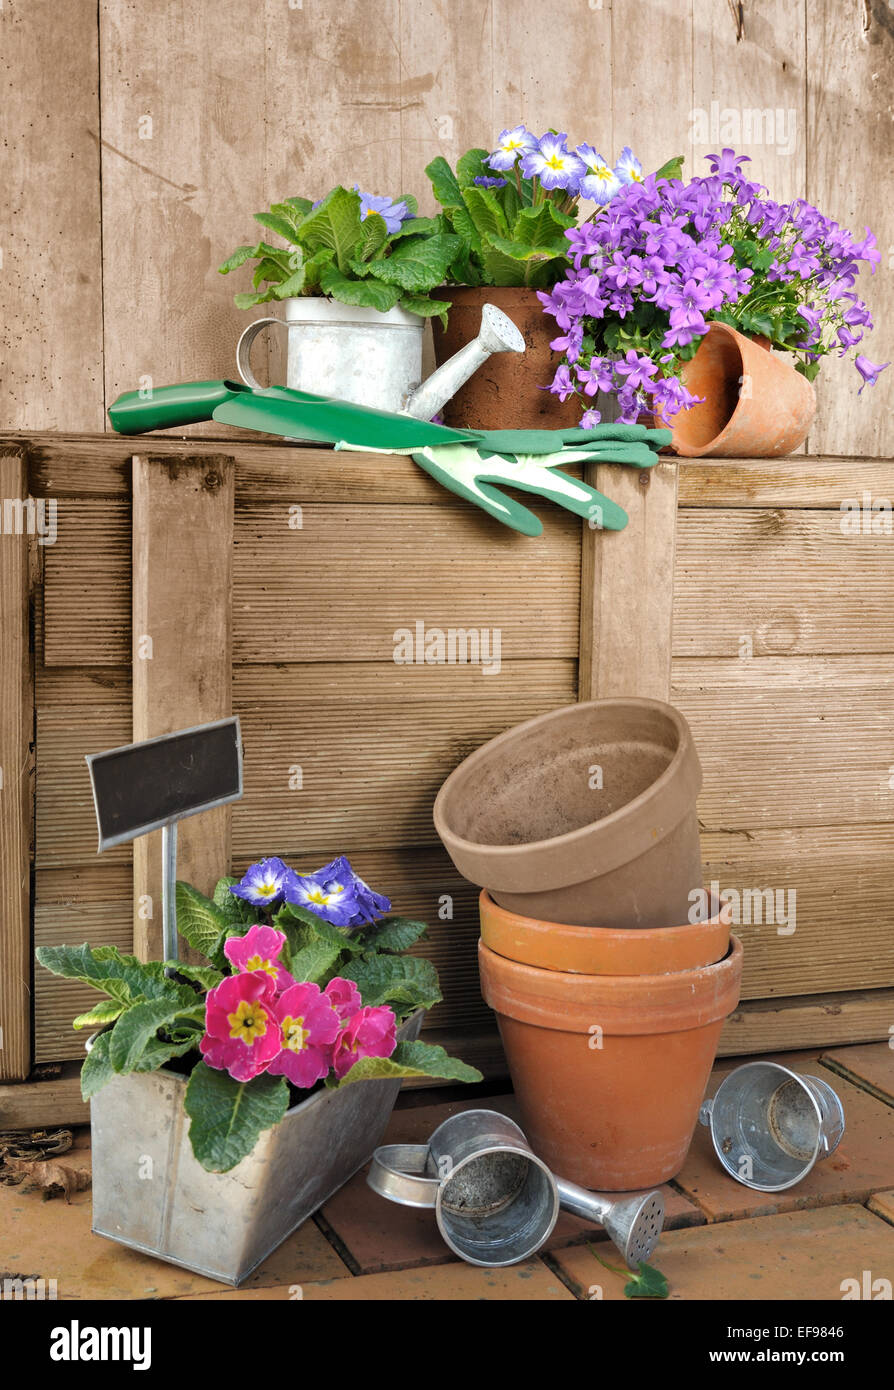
590, 419
562, 385
512, 144
727, 165
553, 163
869, 371
636, 369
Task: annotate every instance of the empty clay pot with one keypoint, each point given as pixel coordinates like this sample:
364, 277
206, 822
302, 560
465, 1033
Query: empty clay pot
603, 950
584, 816
755, 406
610, 1070
508, 391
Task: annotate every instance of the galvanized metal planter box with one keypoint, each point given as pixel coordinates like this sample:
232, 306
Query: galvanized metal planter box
150, 1193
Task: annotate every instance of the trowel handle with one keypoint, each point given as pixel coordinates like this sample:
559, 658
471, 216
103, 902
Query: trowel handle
243, 349
164, 407
592, 1206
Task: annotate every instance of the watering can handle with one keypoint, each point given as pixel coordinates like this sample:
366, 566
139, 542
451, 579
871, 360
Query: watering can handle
243, 350
399, 1172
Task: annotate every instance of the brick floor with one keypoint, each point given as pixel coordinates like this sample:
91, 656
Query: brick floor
721, 1240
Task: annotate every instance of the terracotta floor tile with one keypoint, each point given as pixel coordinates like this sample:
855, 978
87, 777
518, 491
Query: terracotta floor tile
862, 1163
380, 1236
53, 1240
882, 1203
802, 1255
453, 1282
867, 1064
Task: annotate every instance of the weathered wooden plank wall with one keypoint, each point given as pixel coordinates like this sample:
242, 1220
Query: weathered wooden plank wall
139, 139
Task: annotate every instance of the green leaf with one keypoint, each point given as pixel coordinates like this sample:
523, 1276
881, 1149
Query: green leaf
461, 221
314, 267
238, 258
96, 1069
369, 294
444, 184
501, 269
314, 961
248, 301
412, 204
106, 1011
412, 1059
417, 226
228, 1116
233, 909
404, 982
543, 274
392, 934
199, 920
648, 1283
158, 1051
204, 975
268, 270
301, 205
673, 169
426, 308
374, 234
334, 226
485, 212
124, 978
520, 251
542, 226
275, 222
139, 1024
418, 263
293, 286
472, 165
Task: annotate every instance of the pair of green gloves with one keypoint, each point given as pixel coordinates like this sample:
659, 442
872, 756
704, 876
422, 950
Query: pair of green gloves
530, 461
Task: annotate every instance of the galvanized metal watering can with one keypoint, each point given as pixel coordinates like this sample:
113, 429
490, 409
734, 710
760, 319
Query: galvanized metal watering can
495, 1201
769, 1125
371, 358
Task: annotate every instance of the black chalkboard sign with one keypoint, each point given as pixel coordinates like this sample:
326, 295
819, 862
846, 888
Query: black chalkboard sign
142, 786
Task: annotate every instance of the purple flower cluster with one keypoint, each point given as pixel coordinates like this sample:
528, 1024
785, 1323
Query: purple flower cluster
652, 268
333, 892
578, 173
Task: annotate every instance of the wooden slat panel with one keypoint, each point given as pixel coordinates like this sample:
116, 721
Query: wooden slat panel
16, 778
790, 482
788, 582
66, 822
651, 78
850, 58
97, 882
54, 1100
799, 757
51, 281
782, 673
87, 596
627, 587
57, 1001
182, 597
819, 1020
356, 682
59, 687
178, 194
350, 578
841, 884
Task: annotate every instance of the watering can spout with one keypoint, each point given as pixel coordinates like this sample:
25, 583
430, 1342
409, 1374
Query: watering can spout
497, 334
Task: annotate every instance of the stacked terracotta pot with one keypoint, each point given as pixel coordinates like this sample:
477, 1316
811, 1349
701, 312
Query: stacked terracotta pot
609, 991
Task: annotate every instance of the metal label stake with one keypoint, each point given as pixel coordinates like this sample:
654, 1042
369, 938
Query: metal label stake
152, 785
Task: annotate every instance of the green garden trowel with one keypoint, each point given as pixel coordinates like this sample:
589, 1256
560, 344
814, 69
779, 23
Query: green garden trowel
467, 462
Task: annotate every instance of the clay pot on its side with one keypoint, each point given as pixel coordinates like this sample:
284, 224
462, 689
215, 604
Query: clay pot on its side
584, 816
505, 393
604, 950
610, 1070
756, 405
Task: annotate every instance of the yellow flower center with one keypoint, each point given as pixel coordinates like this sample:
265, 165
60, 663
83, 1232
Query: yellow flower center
258, 963
267, 889
294, 1034
512, 145
555, 161
247, 1023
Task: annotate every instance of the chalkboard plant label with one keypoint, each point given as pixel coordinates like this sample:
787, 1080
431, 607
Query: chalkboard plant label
305, 990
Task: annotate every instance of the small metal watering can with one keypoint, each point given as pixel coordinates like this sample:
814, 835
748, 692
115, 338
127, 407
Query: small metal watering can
769, 1125
371, 358
495, 1201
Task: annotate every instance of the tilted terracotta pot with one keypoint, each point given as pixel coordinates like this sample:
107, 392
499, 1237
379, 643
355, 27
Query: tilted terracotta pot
505, 393
610, 1070
603, 950
584, 816
756, 405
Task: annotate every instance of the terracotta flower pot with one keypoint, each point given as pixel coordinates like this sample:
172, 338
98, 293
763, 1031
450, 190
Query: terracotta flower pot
603, 950
584, 816
756, 405
610, 1070
506, 392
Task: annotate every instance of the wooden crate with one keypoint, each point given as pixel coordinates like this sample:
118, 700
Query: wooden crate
746, 605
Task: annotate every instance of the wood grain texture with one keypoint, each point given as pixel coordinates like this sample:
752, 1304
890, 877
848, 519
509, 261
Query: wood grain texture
66, 834
627, 587
16, 775
58, 1001
87, 592
651, 79
54, 1100
811, 482
850, 161
779, 582
819, 1020
51, 290
182, 660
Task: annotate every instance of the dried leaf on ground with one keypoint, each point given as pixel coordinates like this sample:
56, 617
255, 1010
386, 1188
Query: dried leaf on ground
49, 1175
